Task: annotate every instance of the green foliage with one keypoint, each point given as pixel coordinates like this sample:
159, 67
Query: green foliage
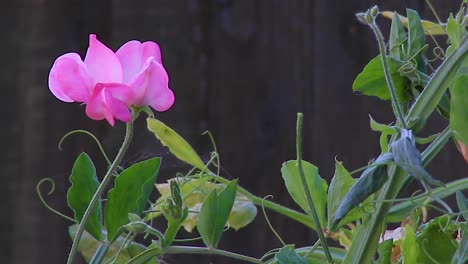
130, 194
214, 214
84, 185
416, 41
371, 81
287, 255
430, 28
398, 37
176, 144
194, 192
410, 248
370, 181
316, 185
339, 187
436, 241
385, 252
459, 109
455, 31
125, 249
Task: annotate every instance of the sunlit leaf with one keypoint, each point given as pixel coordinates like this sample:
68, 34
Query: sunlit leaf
194, 191
176, 144
88, 246
84, 185
316, 185
130, 194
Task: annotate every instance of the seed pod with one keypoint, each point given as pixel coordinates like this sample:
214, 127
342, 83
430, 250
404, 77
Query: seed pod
408, 158
370, 181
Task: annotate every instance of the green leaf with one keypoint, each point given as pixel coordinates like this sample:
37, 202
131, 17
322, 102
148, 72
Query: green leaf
130, 194
410, 248
339, 187
316, 185
84, 185
371, 81
455, 32
214, 214
176, 144
416, 39
375, 126
459, 109
385, 252
436, 241
397, 37
430, 28
287, 255
88, 245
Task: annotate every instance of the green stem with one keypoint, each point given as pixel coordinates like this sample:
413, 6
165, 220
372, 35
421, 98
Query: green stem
205, 250
313, 211
388, 77
295, 215
368, 234
100, 253
100, 190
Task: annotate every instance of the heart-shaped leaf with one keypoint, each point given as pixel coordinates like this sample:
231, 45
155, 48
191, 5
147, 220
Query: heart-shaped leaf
84, 185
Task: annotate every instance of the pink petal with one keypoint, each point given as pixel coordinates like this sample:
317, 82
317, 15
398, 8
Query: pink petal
69, 79
151, 49
158, 95
95, 106
110, 101
130, 55
118, 108
102, 63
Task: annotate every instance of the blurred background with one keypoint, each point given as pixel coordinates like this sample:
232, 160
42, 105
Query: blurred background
240, 69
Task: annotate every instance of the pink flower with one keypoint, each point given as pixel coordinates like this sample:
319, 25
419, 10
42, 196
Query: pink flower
109, 83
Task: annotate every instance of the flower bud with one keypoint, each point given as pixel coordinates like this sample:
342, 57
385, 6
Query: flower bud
361, 17
374, 11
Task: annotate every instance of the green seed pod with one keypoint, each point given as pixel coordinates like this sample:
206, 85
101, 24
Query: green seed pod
408, 158
370, 182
